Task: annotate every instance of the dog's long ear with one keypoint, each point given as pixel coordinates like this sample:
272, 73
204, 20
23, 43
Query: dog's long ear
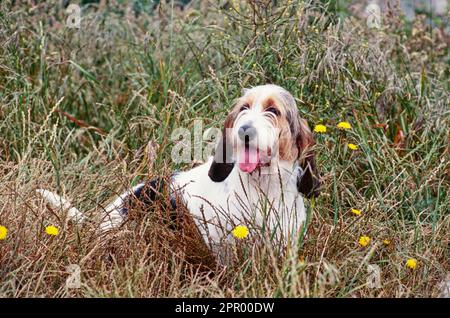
223, 164
308, 182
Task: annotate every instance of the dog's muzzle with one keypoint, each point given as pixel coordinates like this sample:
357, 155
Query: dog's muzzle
247, 133
249, 155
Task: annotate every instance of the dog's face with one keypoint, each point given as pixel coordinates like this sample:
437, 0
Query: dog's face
264, 127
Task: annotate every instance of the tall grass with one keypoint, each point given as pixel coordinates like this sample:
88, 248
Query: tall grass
88, 112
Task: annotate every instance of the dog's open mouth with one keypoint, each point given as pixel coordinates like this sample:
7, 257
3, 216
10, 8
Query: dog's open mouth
250, 159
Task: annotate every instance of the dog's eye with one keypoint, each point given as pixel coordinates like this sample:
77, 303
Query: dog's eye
244, 107
273, 110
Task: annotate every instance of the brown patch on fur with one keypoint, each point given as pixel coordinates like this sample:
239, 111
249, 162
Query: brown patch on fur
296, 141
269, 102
287, 149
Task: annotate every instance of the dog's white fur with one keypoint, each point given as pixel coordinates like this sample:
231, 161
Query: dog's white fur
263, 198
266, 200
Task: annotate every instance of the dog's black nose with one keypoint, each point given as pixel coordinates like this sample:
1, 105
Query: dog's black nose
247, 132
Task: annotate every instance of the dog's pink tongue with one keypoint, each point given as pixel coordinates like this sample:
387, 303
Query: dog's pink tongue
248, 160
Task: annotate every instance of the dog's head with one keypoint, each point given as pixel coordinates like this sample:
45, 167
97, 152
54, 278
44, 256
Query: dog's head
262, 128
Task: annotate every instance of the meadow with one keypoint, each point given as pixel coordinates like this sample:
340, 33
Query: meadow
89, 111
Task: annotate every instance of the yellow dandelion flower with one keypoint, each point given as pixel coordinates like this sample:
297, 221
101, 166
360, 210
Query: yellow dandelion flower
411, 263
386, 242
320, 129
356, 212
52, 230
3, 232
344, 125
364, 241
352, 146
240, 232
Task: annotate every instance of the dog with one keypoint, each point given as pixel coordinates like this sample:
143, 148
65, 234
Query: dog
263, 165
